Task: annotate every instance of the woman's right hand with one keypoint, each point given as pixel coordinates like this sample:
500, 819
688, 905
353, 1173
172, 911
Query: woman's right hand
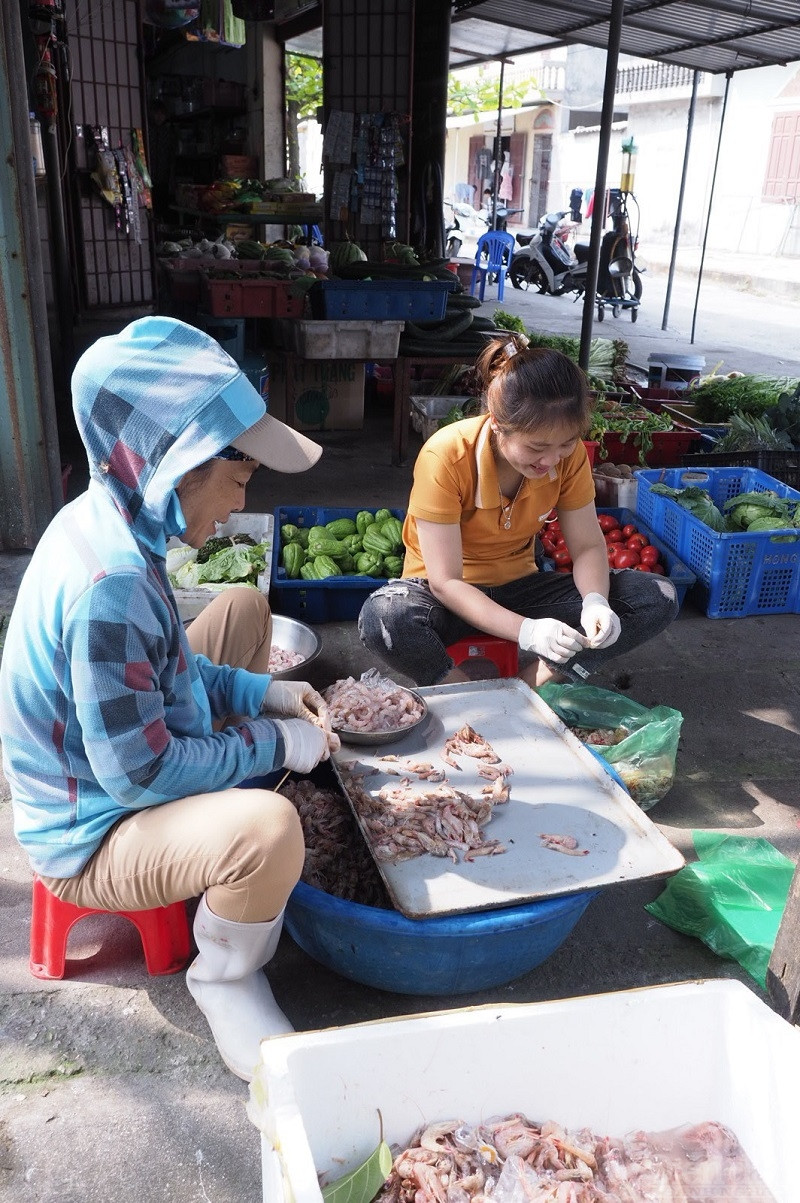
551, 639
306, 745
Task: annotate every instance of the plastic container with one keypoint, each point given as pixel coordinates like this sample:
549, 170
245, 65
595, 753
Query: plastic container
649, 1059
669, 446
456, 954
428, 411
381, 300
682, 577
615, 491
737, 574
337, 339
335, 599
783, 465
673, 371
249, 295
260, 526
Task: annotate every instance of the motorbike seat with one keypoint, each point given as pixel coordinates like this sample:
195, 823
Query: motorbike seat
524, 239
581, 251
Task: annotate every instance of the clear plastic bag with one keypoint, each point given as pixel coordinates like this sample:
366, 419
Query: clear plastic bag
732, 898
645, 755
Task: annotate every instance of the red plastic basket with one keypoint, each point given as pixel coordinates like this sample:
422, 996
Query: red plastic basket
250, 297
668, 448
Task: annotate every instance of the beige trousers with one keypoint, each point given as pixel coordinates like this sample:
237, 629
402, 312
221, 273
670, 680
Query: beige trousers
243, 846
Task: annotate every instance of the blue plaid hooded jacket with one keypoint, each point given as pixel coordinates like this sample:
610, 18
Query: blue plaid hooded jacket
104, 709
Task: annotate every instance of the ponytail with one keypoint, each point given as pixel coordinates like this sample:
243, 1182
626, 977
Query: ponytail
530, 387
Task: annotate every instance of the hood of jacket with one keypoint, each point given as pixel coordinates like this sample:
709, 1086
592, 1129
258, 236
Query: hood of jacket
151, 403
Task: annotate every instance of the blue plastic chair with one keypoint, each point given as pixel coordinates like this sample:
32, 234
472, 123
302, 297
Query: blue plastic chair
492, 259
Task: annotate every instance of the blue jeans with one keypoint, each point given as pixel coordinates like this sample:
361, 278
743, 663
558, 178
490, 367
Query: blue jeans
405, 625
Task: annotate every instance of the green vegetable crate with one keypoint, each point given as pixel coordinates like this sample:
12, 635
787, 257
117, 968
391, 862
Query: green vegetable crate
740, 574
331, 599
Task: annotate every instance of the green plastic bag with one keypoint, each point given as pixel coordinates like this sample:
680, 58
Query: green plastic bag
732, 898
645, 758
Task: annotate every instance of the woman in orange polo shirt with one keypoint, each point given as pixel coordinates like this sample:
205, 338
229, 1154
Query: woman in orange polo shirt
483, 488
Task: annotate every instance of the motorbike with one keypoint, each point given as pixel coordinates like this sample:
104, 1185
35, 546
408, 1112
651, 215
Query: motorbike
545, 262
466, 225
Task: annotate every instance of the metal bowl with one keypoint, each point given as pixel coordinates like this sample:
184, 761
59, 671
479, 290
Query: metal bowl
294, 636
385, 737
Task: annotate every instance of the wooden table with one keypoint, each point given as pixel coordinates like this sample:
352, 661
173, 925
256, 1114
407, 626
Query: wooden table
404, 367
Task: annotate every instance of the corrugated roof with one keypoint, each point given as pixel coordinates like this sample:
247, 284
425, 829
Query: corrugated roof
706, 35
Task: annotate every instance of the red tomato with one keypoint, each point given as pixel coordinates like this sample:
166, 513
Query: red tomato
659, 568
561, 542
562, 556
607, 522
627, 557
649, 554
614, 535
564, 567
611, 548
636, 541
642, 568
628, 530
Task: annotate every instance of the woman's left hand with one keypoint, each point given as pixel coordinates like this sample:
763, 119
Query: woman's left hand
298, 699
599, 621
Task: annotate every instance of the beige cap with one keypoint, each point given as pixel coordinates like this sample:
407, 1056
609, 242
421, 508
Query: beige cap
277, 446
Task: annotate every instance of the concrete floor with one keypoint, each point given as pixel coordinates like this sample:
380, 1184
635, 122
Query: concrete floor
111, 1088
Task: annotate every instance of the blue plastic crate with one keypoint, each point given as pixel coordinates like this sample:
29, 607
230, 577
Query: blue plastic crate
737, 574
682, 577
381, 300
335, 599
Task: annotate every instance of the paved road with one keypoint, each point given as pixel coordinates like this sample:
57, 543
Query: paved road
738, 328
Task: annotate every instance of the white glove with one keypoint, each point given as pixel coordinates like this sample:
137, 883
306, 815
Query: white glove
294, 699
306, 745
551, 639
599, 621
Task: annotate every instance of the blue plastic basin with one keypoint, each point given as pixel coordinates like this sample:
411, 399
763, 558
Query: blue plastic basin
457, 954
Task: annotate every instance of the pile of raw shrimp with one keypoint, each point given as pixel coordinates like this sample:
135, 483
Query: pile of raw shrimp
372, 704
280, 659
337, 860
512, 1160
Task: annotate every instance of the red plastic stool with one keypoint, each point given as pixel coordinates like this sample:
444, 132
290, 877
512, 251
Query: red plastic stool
164, 931
502, 652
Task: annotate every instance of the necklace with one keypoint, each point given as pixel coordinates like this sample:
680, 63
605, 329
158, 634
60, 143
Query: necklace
507, 510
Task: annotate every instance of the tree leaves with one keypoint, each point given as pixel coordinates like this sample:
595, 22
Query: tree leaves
364, 1182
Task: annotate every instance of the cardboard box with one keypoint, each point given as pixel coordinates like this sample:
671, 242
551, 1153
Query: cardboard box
260, 527
652, 1058
328, 394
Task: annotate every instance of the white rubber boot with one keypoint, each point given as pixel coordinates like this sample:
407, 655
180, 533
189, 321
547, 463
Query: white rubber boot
227, 983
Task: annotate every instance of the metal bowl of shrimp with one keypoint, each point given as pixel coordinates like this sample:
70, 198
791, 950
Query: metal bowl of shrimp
294, 647
407, 704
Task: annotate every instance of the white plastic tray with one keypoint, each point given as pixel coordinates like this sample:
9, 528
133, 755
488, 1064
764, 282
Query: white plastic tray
558, 786
651, 1058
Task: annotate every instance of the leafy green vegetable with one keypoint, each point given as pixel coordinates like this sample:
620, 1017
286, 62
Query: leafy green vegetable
508, 321
748, 511
363, 1184
628, 422
238, 563
716, 398
753, 432
698, 502
220, 542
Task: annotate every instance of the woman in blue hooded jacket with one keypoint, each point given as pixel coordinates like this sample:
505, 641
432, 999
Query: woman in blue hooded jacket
123, 741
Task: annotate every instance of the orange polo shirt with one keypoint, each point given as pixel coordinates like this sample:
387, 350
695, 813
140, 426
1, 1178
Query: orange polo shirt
455, 480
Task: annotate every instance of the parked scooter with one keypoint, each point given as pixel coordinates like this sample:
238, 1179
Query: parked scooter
546, 263
466, 225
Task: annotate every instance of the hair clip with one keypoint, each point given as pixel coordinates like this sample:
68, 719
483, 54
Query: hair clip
512, 347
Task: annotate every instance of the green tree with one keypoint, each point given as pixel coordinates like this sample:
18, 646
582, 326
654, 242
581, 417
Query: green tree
480, 93
303, 98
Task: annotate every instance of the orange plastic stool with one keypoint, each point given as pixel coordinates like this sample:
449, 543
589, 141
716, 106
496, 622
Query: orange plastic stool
502, 652
164, 932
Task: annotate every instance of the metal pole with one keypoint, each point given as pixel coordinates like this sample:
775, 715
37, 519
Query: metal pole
606, 120
728, 78
679, 213
498, 135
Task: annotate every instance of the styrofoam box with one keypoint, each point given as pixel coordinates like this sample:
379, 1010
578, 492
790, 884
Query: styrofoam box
652, 1058
337, 339
260, 527
428, 411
